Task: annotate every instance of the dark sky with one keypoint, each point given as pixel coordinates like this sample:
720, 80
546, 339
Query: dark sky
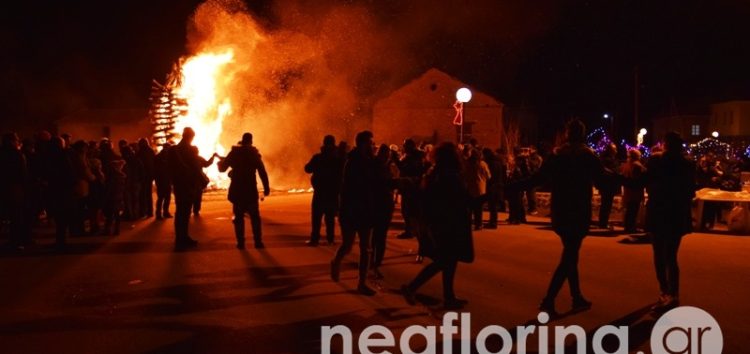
555, 59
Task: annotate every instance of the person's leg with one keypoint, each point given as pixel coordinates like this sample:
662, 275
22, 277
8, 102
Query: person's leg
182, 217
317, 214
424, 276
659, 246
348, 234
379, 232
449, 273
531, 199
571, 250
167, 201
631, 215
329, 213
365, 240
476, 207
197, 203
672, 246
255, 223
238, 221
606, 208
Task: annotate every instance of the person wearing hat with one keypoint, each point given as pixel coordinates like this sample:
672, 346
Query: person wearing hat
245, 160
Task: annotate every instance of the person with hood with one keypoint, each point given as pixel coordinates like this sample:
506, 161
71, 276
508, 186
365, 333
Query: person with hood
245, 160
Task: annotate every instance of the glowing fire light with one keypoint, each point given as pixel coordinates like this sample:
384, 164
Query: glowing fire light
200, 85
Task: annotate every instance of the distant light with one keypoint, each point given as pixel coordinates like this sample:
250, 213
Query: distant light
715, 134
606, 115
643, 131
463, 95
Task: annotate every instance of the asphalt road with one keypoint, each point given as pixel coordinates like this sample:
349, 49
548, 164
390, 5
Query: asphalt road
133, 294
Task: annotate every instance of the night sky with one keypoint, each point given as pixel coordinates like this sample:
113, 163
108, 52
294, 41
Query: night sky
555, 59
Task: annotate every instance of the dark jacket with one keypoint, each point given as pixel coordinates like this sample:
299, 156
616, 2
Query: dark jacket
447, 212
358, 190
670, 182
326, 168
571, 173
187, 171
244, 160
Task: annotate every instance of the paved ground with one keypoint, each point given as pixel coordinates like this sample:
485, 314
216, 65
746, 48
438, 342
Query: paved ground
132, 293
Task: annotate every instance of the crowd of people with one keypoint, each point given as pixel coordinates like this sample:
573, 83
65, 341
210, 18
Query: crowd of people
89, 187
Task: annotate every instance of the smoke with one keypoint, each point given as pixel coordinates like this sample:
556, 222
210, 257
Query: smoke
307, 70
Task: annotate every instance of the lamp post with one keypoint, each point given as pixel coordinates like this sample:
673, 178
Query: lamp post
463, 95
715, 134
610, 119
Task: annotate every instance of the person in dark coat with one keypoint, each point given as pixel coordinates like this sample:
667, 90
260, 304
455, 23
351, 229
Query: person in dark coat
245, 160
61, 189
448, 213
187, 181
670, 183
326, 168
412, 167
147, 157
14, 191
114, 197
571, 173
520, 171
357, 207
632, 173
163, 185
134, 171
494, 185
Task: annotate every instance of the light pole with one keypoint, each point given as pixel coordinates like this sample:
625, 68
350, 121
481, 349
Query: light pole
610, 119
715, 135
463, 95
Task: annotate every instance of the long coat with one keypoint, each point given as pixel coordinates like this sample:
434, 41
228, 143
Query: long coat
447, 212
358, 190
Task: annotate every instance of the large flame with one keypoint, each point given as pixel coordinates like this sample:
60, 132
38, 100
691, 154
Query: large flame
201, 85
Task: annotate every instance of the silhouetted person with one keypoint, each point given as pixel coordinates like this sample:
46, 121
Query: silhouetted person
520, 171
709, 175
163, 185
447, 211
670, 182
114, 197
14, 190
386, 174
412, 167
535, 162
134, 177
494, 185
608, 186
326, 168
61, 185
571, 173
477, 173
83, 178
357, 207
95, 199
632, 174
204, 178
245, 160
187, 182
147, 157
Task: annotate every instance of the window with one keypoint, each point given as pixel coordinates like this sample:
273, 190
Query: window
695, 130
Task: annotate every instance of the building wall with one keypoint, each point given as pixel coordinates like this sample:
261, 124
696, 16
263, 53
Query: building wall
423, 110
682, 124
731, 118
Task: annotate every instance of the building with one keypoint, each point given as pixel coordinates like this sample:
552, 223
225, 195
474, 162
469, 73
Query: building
691, 127
731, 119
94, 124
423, 110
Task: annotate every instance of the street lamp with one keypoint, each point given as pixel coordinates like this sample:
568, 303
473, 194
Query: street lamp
463, 95
611, 120
715, 134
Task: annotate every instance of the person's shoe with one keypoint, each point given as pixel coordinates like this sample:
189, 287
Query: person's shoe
581, 304
665, 303
365, 290
331, 242
311, 243
454, 304
335, 271
548, 306
259, 245
404, 236
408, 295
419, 260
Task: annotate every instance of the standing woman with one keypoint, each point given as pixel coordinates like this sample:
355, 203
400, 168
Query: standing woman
447, 211
670, 182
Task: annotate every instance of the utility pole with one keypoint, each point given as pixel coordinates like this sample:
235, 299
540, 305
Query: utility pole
635, 99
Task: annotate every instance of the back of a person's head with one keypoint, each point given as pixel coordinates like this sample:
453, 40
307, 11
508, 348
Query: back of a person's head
446, 157
575, 131
329, 141
188, 133
672, 142
247, 139
363, 138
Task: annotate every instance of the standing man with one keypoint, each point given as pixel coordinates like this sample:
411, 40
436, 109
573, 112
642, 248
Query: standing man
183, 161
326, 168
357, 207
570, 172
670, 182
245, 160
